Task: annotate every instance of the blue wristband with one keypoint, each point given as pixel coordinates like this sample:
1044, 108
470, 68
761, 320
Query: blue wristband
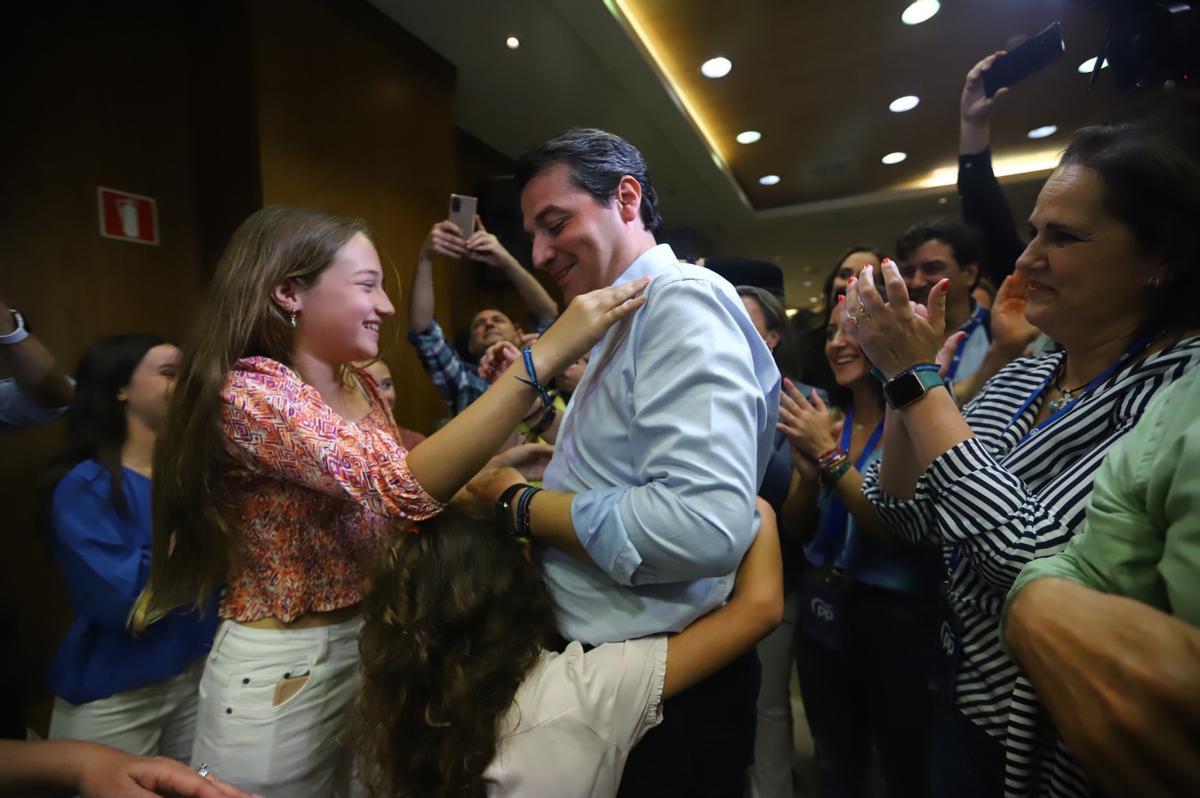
547, 400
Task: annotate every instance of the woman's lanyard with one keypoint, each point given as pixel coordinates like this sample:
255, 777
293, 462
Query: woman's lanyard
1136, 348
833, 523
969, 328
872, 442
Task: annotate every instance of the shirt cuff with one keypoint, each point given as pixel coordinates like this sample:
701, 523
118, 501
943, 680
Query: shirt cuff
596, 517
911, 518
431, 334
976, 160
956, 464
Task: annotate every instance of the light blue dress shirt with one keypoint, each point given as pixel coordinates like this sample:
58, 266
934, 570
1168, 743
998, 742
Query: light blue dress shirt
18, 411
665, 442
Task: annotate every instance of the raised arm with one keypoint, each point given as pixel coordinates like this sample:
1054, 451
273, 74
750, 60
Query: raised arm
446, 460
443, 239
983, 203
32, 365
486, 248
754, 609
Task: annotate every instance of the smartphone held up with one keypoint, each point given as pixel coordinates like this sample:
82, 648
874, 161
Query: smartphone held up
462, 213
1025, 59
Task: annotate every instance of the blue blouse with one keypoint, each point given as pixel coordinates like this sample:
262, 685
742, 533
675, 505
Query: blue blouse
105, 557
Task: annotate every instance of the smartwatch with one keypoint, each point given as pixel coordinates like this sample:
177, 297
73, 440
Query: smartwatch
909, 386
20, 333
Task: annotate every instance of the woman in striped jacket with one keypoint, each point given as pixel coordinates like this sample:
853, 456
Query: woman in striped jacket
1111, 274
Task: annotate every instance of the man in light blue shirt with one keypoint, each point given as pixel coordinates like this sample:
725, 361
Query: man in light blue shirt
650, 500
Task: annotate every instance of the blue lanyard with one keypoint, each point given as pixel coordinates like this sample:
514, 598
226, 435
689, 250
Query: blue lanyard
969, 328
1137, 347
832, 528
872, 442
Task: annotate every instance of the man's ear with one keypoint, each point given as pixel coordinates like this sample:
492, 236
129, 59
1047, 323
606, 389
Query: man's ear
972, 271
629, 199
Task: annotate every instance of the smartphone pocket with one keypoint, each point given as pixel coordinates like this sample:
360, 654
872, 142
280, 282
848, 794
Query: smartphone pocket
288, 687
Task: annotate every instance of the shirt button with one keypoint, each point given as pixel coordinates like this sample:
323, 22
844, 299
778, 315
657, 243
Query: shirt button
228, 710
245, 681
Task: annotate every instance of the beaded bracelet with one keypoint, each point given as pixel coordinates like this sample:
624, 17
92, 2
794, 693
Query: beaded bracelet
830, 457
836, 472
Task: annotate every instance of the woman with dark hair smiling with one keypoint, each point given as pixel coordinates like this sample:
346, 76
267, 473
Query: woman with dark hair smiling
1112, 273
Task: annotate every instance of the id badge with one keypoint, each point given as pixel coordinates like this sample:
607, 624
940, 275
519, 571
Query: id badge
949, 642
824, 594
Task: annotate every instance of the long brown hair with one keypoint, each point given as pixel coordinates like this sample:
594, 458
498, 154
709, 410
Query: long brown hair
455, 619
195, 536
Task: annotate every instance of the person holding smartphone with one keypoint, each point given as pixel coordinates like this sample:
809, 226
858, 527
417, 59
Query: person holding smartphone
457, 380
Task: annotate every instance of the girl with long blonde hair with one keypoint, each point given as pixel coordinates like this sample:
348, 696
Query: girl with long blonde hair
278, 477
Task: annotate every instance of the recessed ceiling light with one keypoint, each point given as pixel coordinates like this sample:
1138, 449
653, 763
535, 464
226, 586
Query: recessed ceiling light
1042, 132
748, 136
905, 103
716, 67
1088, 66
769, 180
791, 312
920, 11
512, 42
894, 157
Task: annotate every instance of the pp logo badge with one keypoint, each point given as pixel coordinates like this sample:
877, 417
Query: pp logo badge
949, 643
822, 609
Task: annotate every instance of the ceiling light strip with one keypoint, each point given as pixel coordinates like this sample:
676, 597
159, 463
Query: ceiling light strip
637, 32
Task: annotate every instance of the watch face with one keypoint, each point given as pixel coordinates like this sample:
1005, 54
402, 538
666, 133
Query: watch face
904, 389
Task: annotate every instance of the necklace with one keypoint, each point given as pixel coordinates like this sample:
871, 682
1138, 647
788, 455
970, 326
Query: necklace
1065, 394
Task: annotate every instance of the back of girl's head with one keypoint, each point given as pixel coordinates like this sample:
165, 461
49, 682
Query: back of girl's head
194, 537
96, 426
456, 616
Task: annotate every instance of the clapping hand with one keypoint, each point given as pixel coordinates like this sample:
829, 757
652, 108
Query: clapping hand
809, 425
1010, 328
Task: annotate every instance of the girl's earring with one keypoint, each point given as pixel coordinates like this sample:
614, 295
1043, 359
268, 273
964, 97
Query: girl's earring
292, 319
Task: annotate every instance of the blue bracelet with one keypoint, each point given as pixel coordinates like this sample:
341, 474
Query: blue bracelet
547, 400
883, 380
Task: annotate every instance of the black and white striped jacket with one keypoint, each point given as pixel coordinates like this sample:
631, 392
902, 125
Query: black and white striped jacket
1002, 499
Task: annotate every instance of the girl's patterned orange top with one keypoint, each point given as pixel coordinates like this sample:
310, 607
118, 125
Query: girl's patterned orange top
316, 493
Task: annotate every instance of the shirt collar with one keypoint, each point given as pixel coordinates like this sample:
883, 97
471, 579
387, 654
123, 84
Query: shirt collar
651, 263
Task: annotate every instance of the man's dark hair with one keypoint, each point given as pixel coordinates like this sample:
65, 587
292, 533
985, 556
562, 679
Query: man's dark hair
598, 160
964, 241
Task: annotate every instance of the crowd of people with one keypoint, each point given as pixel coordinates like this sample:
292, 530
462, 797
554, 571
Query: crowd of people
967, 517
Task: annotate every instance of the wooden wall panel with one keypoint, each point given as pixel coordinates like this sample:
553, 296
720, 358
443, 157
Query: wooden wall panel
213, 109
100, 100
355, 117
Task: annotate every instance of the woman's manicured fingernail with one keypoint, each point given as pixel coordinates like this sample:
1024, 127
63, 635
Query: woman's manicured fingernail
841, 299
